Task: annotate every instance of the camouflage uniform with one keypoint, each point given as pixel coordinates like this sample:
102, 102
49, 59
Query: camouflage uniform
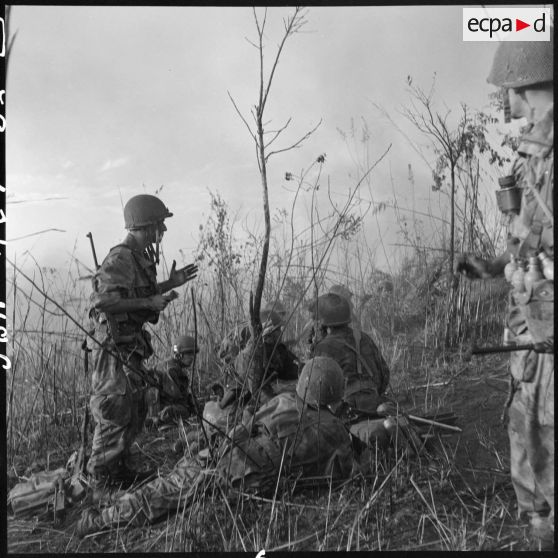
117, 400
281, 368
233, 343
285, 438
531, 413
366, 372
174, 393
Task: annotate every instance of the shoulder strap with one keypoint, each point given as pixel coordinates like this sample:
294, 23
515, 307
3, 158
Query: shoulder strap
360, 361
531, 186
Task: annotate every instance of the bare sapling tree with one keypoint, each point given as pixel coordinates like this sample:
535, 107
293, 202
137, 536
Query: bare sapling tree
264, 140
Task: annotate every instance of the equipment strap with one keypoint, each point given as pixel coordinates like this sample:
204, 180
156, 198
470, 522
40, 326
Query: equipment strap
360, 361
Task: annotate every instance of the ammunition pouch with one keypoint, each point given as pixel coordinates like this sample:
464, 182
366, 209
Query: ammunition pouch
509, 199
125, 331
537, 307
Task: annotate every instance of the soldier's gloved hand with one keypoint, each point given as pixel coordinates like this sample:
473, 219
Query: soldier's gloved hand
178, 277
471, 266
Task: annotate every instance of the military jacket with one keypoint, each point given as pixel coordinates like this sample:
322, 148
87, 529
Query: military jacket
280, 363
288, 438
532, 229
533, 170
340, 345
126, 272
173, 380
365, 372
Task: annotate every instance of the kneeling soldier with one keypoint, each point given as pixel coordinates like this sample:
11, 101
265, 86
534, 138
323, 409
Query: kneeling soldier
174, 397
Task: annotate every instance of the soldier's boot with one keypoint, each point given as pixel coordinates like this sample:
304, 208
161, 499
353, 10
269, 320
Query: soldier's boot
90, 521
541, 532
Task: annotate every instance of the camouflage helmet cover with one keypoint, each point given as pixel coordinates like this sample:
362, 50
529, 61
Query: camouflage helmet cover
144, 210
320, 382
333, 310
521, 64
184, 344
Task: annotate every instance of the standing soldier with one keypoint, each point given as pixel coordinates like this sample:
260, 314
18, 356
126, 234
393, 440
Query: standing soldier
525, 71
126, 296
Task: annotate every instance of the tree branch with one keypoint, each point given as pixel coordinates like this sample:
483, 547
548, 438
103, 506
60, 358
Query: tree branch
296, 144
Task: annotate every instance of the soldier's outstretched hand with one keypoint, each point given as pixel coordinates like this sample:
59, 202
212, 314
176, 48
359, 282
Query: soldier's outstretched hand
471, 266
178, 277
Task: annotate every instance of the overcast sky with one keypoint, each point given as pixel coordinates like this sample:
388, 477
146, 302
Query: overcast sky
107, 102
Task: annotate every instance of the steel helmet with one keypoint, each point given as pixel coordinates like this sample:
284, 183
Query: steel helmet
320, 382
341, 290
144, 210
185, 344
520, 64
333, 310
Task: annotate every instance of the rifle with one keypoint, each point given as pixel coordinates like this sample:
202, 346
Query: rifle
95, 261
539, 347
502, 349
197, 409
80, 462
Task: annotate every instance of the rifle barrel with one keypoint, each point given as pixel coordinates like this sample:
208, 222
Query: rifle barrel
435, 423
502, 349
96, 262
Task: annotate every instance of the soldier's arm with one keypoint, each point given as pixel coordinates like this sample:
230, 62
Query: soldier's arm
113, 285
114, 303
478, 268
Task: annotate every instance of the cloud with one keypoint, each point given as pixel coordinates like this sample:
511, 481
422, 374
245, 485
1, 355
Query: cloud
114, 164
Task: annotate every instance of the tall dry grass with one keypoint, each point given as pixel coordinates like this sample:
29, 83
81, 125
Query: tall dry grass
404, 502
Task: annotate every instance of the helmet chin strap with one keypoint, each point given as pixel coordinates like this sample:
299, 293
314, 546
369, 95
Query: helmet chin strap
153, 254
157, 243
507, 107
150, 253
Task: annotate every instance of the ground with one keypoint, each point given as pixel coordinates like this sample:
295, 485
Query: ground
461, 499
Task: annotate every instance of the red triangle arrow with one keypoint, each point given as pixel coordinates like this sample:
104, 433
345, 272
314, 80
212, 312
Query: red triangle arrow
519, 25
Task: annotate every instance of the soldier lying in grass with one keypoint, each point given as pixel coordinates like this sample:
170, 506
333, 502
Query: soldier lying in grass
294, 434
